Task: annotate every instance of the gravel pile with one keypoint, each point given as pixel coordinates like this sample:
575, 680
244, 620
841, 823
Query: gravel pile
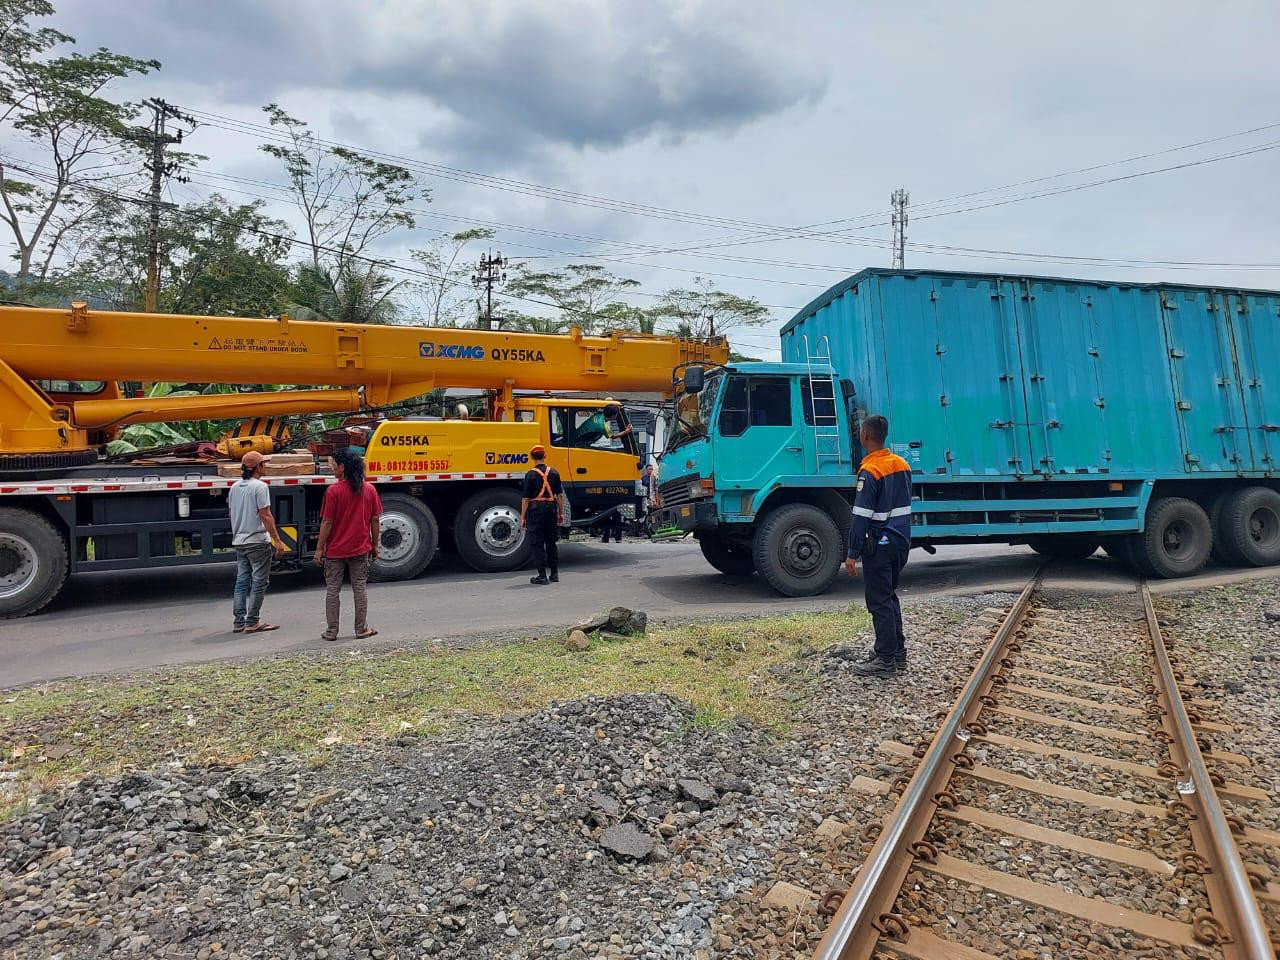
606, 827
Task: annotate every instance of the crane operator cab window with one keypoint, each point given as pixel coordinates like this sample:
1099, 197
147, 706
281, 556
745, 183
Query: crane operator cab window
603, 428
755, 402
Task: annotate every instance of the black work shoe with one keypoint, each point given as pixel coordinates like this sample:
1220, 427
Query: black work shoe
540, 579
876, 668
555, 577
871, 657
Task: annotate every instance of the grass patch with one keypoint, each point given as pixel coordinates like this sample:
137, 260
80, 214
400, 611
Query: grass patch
229, 712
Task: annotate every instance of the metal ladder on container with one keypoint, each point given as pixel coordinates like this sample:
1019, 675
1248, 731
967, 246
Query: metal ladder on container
823, 408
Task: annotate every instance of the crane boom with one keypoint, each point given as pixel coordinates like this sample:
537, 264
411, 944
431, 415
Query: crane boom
388, 363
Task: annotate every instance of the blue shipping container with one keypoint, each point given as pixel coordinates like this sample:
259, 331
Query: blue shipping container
984, 376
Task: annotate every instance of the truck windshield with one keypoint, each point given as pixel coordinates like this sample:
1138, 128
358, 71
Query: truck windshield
687, 417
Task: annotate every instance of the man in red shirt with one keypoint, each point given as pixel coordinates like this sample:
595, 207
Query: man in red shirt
348, 540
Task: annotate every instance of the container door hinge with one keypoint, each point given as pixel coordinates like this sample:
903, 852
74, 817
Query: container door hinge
1224, 429
1100, 402
1191, 458
1053, 425
1006, 377
943, 400
939, 349
1176, 353
1037, 378
949, 457
1184, 404
1094, 351
1224, 382
1001, 424
1270, 427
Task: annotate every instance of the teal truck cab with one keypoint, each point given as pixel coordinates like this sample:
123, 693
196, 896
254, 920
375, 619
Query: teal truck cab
1069, 415
758, 467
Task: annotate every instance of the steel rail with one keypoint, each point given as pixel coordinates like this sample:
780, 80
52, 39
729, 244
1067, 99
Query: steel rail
1235, 909
858, 924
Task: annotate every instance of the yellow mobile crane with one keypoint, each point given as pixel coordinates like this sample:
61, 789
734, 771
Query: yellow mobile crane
64, 510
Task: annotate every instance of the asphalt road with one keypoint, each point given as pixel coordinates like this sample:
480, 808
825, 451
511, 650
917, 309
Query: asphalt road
121, 621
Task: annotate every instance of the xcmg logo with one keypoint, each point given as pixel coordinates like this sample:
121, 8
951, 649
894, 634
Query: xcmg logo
449, 351
492, 458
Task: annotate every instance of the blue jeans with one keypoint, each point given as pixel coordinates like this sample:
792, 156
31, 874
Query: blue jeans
253, 571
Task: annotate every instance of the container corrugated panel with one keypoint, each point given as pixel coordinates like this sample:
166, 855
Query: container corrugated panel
984, 376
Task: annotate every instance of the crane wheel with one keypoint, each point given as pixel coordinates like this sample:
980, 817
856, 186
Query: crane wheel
488, 534
37, 466
407, 539
33, 562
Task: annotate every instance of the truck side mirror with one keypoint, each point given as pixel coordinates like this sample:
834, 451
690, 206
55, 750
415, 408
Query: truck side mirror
695, 378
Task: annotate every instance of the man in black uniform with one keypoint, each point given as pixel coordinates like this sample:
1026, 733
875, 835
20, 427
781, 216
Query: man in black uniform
542, 513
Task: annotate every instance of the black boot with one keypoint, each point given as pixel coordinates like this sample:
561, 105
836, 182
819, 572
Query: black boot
555, 576
540, 579
876, 668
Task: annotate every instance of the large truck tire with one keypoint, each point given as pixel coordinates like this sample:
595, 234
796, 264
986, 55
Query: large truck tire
1221, 551
488, 534
407, 539
798, 550
1066, 546
33, 562
1177, 539
727, 556
1250, 526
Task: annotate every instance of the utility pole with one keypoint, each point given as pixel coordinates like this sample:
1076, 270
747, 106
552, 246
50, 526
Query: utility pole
898, 203
490, 270
157, 138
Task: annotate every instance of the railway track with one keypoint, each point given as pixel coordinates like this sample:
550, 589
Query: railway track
1184, 837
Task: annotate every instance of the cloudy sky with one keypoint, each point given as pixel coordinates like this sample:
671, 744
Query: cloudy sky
665, 125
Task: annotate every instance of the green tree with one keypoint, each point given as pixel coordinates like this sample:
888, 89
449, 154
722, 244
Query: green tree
447, 298
56, 104
703, 310
357, 294
580, 291
217, 257
347, 200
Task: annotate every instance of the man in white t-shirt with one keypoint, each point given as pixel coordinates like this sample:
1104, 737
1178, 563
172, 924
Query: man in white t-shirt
256, 539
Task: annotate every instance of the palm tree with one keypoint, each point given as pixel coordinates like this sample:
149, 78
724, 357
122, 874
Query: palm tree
354, 295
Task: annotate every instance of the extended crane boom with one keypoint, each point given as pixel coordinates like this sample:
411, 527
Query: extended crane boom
386, 363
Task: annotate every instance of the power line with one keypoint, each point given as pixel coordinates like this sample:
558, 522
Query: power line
770, 232
875, 242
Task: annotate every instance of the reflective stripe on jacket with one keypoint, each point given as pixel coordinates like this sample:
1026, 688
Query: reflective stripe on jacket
882, 504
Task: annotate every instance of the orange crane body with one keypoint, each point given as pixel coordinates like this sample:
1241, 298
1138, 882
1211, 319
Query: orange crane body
387, 364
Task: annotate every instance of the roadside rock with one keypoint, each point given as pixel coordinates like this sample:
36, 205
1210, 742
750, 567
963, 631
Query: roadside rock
1271, 611
577, 641
627, 842
700, 793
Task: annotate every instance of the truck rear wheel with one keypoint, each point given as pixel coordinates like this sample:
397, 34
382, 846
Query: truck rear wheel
407, 538
1250, 526
798, 550
1221, 550
727, 556
33, 562
1177, 540
1068, 546
488, 533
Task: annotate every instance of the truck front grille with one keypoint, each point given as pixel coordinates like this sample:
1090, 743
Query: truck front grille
676, 492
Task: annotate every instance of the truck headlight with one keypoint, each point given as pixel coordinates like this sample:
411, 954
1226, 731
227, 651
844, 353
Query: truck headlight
704, 487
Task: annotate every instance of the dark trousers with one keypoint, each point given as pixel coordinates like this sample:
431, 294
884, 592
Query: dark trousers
880, 573
543, 533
